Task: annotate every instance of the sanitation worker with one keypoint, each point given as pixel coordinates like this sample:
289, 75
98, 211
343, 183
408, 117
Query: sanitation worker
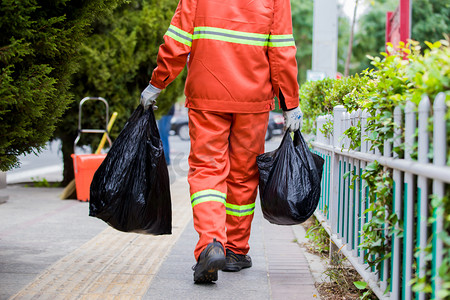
242, 54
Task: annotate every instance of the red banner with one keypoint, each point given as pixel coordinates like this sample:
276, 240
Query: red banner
398, 24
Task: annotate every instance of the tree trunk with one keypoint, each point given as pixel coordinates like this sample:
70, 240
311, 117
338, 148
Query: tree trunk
350, 42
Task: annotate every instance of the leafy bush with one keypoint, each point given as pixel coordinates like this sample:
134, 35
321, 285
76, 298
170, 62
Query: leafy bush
38, 48
116, 63
312, 101
394, 81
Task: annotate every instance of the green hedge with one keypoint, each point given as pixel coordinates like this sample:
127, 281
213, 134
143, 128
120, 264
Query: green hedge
394, 81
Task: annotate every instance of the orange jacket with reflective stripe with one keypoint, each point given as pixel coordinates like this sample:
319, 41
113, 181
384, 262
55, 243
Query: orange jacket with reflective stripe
242, 54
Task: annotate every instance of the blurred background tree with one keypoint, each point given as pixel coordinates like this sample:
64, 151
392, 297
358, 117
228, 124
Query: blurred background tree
430, 22
302, 27
116, 63
38, 50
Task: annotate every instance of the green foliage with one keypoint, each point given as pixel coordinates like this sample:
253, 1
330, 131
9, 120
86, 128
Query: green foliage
319, 238
441, 207
344, 28
38, 47
116, 63
349, 91
302, 23
428, 73
320, 97
370, 34
360, 285
37, 182
346, 282
376, 232
429, 22
392, 83
312, 102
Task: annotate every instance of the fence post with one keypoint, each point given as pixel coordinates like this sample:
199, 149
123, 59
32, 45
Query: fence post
377, 150
356, 189
387, 152
364, 149
440, 153
345, 187
319, 124
422, 189
351, 191
338, 112
396, 250
408, 204
328, 141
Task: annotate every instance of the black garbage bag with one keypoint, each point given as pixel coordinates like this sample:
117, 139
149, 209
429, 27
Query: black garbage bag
289, 181
131, 190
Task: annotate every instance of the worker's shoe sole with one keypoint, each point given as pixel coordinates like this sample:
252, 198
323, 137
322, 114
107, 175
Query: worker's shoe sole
236, 262
209, 262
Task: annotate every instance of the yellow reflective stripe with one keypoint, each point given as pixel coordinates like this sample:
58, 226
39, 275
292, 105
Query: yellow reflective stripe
281, 36
241, 37
240, 210
208, 195
179, 35
231, 32
181, 32
229, 39
231, 36
281, 44
283, 40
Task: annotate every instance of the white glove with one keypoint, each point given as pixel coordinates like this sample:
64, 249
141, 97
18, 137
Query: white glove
149, 95
293, 119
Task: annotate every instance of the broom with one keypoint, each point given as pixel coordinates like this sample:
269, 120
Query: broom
70, 189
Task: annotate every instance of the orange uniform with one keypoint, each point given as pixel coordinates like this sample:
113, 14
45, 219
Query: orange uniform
242, 54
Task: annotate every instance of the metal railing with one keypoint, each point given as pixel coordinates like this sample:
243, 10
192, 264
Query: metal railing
344, 199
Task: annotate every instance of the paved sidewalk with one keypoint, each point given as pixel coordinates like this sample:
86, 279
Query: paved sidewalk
51, 249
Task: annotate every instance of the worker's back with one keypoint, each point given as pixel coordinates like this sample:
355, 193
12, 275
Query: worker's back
229, 65
242, 54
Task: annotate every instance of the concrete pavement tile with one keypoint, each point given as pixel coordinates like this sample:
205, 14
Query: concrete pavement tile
115, 263
8, 282
175, 277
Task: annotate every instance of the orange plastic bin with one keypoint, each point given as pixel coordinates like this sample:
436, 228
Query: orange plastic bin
85, 166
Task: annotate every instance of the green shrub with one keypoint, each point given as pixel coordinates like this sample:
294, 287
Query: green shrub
116, 63
312, 100
39, 42
393, 81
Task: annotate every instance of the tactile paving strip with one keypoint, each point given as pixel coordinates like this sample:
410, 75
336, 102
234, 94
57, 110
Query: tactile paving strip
114, 264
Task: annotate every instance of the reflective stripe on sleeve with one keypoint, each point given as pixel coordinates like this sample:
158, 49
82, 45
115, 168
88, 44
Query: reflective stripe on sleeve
179, 35
240, 210
208, 195
284, 40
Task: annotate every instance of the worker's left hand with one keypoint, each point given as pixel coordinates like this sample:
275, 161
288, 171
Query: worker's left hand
293, 119
149, 95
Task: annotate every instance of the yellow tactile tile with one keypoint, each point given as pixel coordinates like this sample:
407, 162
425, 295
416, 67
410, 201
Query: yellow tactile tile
114, 264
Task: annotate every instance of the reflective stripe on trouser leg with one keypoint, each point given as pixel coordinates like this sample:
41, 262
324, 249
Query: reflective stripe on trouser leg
208, 170
247, 141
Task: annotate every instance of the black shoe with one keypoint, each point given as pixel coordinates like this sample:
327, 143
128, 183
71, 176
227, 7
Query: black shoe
209, 262
236, 262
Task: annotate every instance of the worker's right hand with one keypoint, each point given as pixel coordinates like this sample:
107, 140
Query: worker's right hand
149, 95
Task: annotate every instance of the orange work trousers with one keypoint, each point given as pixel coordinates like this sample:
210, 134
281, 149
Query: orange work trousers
223, 175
